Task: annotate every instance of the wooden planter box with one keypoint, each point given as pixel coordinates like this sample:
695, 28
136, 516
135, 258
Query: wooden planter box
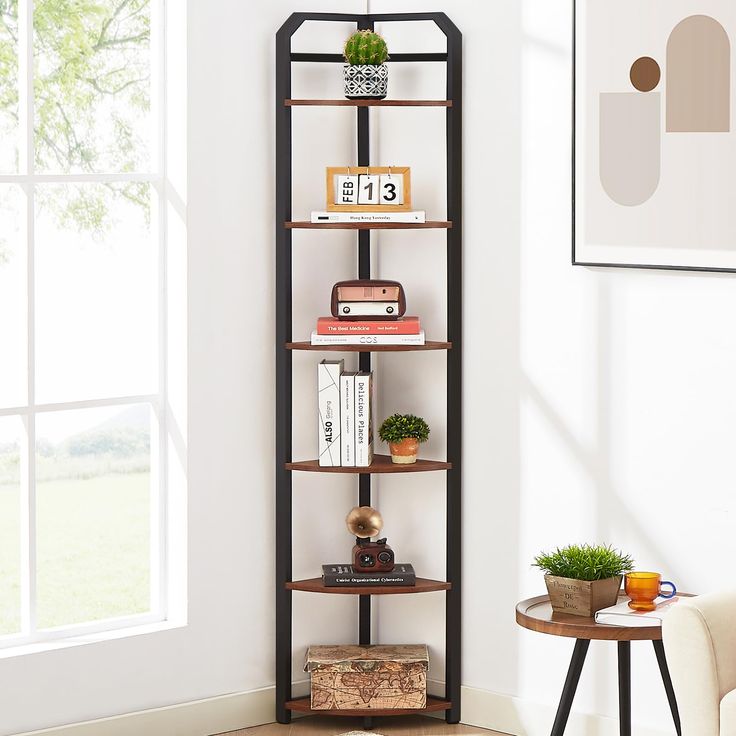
372, 677
582, 597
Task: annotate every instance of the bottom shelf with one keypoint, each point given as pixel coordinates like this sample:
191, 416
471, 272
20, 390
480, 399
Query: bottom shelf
301, 705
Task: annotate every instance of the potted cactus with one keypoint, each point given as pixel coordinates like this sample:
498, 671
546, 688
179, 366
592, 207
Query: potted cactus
404, 432
366, 74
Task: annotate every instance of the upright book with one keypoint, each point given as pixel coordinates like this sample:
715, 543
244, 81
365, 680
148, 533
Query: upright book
347, 418
328, 381
363, 419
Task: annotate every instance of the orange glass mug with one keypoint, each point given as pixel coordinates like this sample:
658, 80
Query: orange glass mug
644, 587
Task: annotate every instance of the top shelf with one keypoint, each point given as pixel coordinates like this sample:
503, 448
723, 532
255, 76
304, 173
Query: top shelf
370, 103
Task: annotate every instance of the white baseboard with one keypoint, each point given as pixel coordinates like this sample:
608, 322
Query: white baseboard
480, 708
525, 718
197, 718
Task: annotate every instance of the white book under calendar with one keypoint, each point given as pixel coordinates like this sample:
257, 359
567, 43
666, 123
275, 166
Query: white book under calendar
418, 216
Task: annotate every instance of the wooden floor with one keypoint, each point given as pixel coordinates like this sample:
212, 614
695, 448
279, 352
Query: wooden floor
398, 726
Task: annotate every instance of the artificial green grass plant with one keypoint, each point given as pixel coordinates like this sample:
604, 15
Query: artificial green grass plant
400, 426
584, 562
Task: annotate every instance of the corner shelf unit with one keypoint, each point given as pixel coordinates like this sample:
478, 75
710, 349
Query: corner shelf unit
285, 465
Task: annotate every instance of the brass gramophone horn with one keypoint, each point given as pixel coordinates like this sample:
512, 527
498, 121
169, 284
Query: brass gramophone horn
364, 522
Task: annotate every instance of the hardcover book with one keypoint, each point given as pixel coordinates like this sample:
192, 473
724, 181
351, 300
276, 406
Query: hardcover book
347, 418
401, 326
334, 576
363, 419
408, 216
622, 615
328, 381
364, 339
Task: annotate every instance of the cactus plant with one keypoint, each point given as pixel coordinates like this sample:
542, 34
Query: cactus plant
365, 47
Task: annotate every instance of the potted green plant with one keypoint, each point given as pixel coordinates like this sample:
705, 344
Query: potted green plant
404, 432
582, 579
366, 74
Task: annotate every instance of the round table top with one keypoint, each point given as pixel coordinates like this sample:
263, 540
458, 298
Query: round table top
537, 614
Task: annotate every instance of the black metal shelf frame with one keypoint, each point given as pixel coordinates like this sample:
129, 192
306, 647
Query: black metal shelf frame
453, 60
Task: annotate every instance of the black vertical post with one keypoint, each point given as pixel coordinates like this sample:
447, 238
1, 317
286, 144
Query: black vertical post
453, 615
283, 367
624, 688
364, 359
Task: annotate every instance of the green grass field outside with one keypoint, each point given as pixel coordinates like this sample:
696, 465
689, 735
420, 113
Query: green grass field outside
93, 550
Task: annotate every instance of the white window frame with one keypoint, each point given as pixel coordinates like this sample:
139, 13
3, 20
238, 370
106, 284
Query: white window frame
161, 187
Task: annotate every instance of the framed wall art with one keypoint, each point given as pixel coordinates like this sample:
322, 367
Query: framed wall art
654, 145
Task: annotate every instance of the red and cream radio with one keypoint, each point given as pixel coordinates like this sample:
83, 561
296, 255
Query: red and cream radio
368, 298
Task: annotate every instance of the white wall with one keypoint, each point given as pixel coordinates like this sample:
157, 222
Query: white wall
598, 404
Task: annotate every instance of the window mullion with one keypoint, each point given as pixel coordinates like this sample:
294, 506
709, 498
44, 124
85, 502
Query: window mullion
159, 469
28, 469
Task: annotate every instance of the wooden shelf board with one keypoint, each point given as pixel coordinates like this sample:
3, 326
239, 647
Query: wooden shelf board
315, 585
381, 464
428, 345
368, 103
306, 225
302, 705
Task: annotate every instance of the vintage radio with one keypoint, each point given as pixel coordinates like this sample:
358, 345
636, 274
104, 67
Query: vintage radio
372, 556
368, 298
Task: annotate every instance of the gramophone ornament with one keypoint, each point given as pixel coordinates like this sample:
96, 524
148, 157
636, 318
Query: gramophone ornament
365, 522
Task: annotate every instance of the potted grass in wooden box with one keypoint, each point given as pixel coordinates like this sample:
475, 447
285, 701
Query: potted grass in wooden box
582, 579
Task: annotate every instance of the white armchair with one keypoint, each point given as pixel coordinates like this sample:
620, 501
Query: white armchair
700, 640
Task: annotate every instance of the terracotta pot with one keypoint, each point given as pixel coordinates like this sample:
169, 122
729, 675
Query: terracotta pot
404, 452
582, 597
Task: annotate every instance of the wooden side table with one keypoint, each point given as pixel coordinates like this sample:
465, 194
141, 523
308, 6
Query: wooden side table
537, 614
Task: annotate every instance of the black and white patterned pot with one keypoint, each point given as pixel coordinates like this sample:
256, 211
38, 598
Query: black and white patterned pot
366, 81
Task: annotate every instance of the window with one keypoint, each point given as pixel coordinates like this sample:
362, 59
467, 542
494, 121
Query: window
83, 354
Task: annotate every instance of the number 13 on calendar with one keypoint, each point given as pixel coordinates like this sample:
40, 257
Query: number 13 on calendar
368, 188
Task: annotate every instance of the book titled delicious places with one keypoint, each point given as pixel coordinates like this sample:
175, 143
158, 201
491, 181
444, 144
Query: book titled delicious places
334, 576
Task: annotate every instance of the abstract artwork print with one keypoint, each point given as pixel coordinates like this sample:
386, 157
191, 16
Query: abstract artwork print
654, 156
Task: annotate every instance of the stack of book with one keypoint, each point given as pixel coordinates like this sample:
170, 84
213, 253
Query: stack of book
401, 331
334, 576
345, 415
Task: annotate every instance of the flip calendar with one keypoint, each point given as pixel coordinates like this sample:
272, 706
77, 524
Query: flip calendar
368, 188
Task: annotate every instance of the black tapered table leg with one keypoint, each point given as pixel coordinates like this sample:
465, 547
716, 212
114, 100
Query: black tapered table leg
571, 685
624, 688
367, 722
667, 680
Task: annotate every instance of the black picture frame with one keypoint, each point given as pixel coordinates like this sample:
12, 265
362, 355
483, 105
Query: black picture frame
593, 264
